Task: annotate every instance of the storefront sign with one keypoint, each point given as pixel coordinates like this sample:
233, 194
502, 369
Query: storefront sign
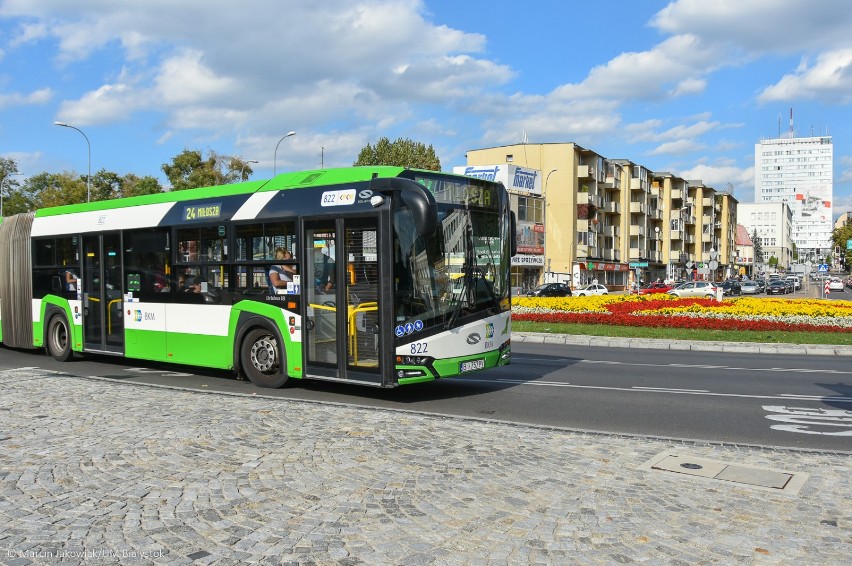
528, 260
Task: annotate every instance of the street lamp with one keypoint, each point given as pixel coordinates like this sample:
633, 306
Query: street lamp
89, 176
5, 181
544, 218
245, 164
275, 156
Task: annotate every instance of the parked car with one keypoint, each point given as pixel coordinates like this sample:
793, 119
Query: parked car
551, 290
653, 288
749, 287
835, 284
705, 289
778, 287
797, 282
761, 285
730, 287
593, 289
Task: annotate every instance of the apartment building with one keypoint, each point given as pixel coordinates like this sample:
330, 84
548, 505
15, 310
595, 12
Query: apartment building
773, 222
613, 220
799, 171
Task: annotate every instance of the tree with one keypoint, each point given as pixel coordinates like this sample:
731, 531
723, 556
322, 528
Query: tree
401, 153
757, 243
134, 186
190, 170
10, 185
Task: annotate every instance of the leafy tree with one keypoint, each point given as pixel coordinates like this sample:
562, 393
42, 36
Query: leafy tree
839, 237
133, 185
757, 243
773, 261
54, 189
401, 153
190, 169
106, 185
10, 185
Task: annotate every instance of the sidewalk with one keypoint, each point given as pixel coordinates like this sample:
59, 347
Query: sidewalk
94, 471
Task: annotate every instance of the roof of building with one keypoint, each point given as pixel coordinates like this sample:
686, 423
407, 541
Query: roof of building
743, 239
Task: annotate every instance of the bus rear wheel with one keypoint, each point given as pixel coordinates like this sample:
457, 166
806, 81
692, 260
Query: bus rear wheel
262, 359
59, 338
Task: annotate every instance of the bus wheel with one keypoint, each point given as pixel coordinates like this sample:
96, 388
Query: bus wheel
262, 359
59, 338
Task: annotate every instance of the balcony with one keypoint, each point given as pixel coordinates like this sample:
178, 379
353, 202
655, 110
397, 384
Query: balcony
708, 201
677, 193
636, 184
611, 207
637, 230
636, 253
610, 231
584, 171
706, 237
655, 213
706, 220
612, 182
676, 235
637, 208
582, 250
688, 238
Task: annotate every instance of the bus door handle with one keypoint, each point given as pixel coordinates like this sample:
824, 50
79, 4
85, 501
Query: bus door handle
309, 324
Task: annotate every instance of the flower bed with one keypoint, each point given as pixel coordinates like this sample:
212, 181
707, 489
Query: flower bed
747, 313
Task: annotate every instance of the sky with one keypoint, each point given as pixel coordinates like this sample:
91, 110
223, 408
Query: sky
686, 86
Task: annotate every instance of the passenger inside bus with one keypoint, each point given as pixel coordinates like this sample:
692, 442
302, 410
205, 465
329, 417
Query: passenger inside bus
279, 275
70, 281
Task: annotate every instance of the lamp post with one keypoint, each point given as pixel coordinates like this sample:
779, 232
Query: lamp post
89, 145
245, 164
275, 156
544, 219
5, 181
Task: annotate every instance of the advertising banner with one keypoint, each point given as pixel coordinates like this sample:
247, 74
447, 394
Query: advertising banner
516, 179
530, 238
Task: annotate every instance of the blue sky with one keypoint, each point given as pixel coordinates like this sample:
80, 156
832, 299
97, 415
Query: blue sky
687, 86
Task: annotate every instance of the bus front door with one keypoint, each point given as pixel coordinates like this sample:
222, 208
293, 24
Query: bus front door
343, 291
103, 317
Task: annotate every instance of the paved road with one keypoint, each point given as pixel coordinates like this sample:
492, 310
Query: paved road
96, 471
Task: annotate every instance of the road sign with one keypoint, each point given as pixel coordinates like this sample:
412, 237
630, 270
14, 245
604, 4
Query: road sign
713, 264
823, 267
827, 290
634, 265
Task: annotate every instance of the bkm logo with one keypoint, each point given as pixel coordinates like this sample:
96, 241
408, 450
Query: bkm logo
137, 316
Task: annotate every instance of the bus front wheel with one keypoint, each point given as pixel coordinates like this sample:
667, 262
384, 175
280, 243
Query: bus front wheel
262, 359
59, 338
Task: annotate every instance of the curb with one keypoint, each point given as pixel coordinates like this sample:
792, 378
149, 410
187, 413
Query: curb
694, 346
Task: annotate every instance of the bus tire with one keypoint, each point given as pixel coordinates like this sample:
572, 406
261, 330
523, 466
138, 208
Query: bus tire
262, 359
58, 339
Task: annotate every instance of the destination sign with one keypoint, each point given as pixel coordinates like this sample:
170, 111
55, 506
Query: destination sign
202, 212
455, 191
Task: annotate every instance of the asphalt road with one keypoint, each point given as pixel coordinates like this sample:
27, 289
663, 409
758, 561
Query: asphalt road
778, 400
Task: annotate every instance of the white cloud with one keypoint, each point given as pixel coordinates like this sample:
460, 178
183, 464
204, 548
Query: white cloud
677, 147
648, 74
718, 175
829, 78
41, 96
780, 26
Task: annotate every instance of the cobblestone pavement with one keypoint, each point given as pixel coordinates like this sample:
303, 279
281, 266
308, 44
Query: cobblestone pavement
103, 472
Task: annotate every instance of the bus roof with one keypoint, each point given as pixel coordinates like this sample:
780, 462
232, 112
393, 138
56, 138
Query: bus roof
280, 182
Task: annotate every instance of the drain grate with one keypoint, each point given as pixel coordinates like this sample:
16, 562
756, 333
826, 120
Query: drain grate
761, 478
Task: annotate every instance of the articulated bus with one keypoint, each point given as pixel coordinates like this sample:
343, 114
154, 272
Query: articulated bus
394, 276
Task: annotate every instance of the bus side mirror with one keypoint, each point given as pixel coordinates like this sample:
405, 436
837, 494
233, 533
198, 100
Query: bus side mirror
421, 202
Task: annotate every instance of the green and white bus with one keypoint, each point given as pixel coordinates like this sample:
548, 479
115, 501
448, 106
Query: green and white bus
397, 276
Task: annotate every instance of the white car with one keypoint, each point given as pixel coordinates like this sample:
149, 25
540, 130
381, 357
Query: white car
593, 289
835, 285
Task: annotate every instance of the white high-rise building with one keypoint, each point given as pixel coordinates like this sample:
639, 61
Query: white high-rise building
799, 171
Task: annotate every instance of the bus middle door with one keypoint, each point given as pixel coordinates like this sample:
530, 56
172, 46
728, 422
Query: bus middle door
103, 320
343, 297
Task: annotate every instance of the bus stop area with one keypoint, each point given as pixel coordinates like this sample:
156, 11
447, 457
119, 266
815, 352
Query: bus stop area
95, 471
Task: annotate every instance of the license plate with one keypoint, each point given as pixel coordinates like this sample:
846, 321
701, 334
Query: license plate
471, 365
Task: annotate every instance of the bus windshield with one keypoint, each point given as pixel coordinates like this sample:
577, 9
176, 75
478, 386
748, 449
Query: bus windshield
457, 273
